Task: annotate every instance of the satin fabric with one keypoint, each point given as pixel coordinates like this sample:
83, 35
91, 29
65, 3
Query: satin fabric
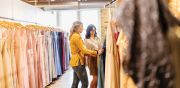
174, 39
56, 53
67, 50
6, 60
60, 50
27, 56
21, 58
34, 45
125, 80
40, 61
63, 52
44, 63
53, 54
24, 48
12, 53
112, 70
30, 59
101, 68
2, 75
45, 41
50, 57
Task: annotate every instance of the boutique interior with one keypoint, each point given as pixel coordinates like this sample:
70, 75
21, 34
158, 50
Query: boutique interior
140, 41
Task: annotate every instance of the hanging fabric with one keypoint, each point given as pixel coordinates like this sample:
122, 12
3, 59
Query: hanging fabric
30, 55
146, 25
112, 70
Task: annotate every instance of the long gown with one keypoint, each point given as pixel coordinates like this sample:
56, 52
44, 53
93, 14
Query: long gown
30, 59
21, 59
112, 77
6, 61
125, 80
2, 76
12, 54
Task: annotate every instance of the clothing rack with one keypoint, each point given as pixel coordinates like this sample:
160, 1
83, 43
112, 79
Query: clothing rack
110, 3
53, 29
6, 18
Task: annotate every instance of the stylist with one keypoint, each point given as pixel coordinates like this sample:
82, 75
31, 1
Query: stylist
78, 51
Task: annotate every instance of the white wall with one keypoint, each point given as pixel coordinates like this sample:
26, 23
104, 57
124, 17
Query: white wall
6, 8
19, 10
66, 18
46, 18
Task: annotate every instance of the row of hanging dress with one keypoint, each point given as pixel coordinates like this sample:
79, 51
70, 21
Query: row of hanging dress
112, 66
27, 58
14, 74
115, 76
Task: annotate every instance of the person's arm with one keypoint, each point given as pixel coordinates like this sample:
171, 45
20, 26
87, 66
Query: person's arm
79, 43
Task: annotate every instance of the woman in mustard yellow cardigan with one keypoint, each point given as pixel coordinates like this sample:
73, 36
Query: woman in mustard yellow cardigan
78, 51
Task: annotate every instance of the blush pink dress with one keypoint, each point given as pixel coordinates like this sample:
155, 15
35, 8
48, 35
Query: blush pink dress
2, 76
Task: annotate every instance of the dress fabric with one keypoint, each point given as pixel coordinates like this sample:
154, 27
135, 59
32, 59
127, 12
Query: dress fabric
35, 53
125, 79
101, 67
63, 52
46, 58
27, 55
21, 59
24, 58
112, 70
44, 64
174, 40
56, 54
2, 73
66, 51
60, 49
30, 58
14, 65
146, 26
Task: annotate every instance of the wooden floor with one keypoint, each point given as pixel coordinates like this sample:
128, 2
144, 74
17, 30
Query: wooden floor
65, 81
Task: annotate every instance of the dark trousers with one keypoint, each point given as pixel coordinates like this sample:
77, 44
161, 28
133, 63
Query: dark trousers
80, 74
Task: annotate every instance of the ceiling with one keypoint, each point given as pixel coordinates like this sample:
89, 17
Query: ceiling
67, 4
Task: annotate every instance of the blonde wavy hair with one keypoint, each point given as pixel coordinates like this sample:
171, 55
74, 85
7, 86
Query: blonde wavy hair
74, 27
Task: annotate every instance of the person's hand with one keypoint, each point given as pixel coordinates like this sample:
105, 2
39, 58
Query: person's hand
100, 51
